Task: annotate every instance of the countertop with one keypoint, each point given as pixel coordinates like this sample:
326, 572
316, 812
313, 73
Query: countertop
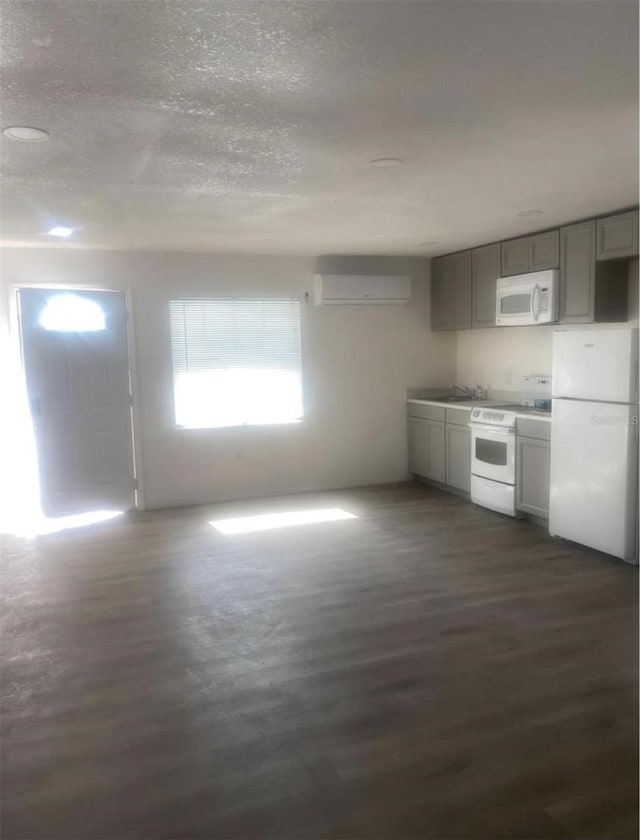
468, 405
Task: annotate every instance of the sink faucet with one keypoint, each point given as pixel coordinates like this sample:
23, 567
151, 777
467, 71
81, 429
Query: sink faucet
462, 388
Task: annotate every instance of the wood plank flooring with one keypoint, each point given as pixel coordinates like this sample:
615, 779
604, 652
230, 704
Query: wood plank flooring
427, 670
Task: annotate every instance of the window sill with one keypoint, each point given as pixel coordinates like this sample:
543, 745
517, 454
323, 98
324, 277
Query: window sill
240, 425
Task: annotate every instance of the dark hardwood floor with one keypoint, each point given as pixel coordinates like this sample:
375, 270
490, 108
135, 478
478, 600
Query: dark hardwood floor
427, 670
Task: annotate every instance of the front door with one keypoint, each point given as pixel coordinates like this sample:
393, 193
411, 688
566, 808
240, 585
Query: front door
75, 355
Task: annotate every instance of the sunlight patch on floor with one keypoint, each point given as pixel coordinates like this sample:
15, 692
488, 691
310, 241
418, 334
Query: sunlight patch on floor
271, 521
39, 526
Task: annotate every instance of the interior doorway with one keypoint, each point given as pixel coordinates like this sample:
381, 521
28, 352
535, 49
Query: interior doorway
76, 364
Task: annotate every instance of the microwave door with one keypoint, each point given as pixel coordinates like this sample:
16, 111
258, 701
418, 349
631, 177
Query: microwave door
516, 303
514, 307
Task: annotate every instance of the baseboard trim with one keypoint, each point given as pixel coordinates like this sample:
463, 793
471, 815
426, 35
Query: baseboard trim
274, 492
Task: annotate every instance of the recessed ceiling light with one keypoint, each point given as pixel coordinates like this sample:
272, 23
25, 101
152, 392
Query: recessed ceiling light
526, 213
60, 231
386, 163
26, 133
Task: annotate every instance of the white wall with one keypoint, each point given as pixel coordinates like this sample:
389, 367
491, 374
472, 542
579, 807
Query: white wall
358, 361
498, 358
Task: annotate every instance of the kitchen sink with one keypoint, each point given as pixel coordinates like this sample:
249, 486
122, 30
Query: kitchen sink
452, 398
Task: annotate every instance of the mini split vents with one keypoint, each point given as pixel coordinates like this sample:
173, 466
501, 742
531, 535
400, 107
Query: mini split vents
361, 289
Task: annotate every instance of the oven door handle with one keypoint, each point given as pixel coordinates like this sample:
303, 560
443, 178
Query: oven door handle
495, 430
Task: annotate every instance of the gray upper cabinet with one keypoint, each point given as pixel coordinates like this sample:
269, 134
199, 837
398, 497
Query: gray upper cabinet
460, 290
451, 292
577, 272
515, 256
617, 236
440, 309
591, 255
534, 469
544, 251
485, 270
531, 253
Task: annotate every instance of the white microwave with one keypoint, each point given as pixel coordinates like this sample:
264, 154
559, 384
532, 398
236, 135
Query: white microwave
527, 299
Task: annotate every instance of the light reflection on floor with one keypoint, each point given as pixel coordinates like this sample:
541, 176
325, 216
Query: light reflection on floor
270, 521
44, 525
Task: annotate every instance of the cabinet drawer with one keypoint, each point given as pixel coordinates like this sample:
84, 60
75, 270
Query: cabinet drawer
426, 411
458, 416
539, 429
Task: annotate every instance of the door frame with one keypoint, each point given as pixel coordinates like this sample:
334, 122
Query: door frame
134, 382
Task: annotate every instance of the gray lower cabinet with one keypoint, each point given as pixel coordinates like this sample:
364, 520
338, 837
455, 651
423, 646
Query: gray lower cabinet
451, 292
617, 236
533, 458
458, 458
578, 272
485, 270
427, 448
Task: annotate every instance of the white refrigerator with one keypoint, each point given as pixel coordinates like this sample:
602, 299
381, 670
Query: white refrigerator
594, 439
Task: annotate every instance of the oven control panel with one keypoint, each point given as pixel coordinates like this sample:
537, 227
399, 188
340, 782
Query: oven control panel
493, 417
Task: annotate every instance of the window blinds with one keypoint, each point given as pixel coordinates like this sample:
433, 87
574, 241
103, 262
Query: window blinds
236, 362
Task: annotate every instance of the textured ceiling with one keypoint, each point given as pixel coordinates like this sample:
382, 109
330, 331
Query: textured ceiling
249, 126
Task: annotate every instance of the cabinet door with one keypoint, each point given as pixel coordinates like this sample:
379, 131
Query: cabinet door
515, 256
436, 451
618, 236
544, 251
427, 448
577, 272
458, 456
533, 461
418, 446
460, 290
485, 270
440, 310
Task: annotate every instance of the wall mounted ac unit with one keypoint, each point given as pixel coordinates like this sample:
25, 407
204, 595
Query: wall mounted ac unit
360, 289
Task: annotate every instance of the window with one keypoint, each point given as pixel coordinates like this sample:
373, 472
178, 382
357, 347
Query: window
72, 313
236, 362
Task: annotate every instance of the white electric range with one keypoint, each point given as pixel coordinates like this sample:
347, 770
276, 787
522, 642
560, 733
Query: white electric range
493, 445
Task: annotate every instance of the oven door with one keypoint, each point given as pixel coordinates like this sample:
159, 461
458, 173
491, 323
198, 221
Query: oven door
493, 453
